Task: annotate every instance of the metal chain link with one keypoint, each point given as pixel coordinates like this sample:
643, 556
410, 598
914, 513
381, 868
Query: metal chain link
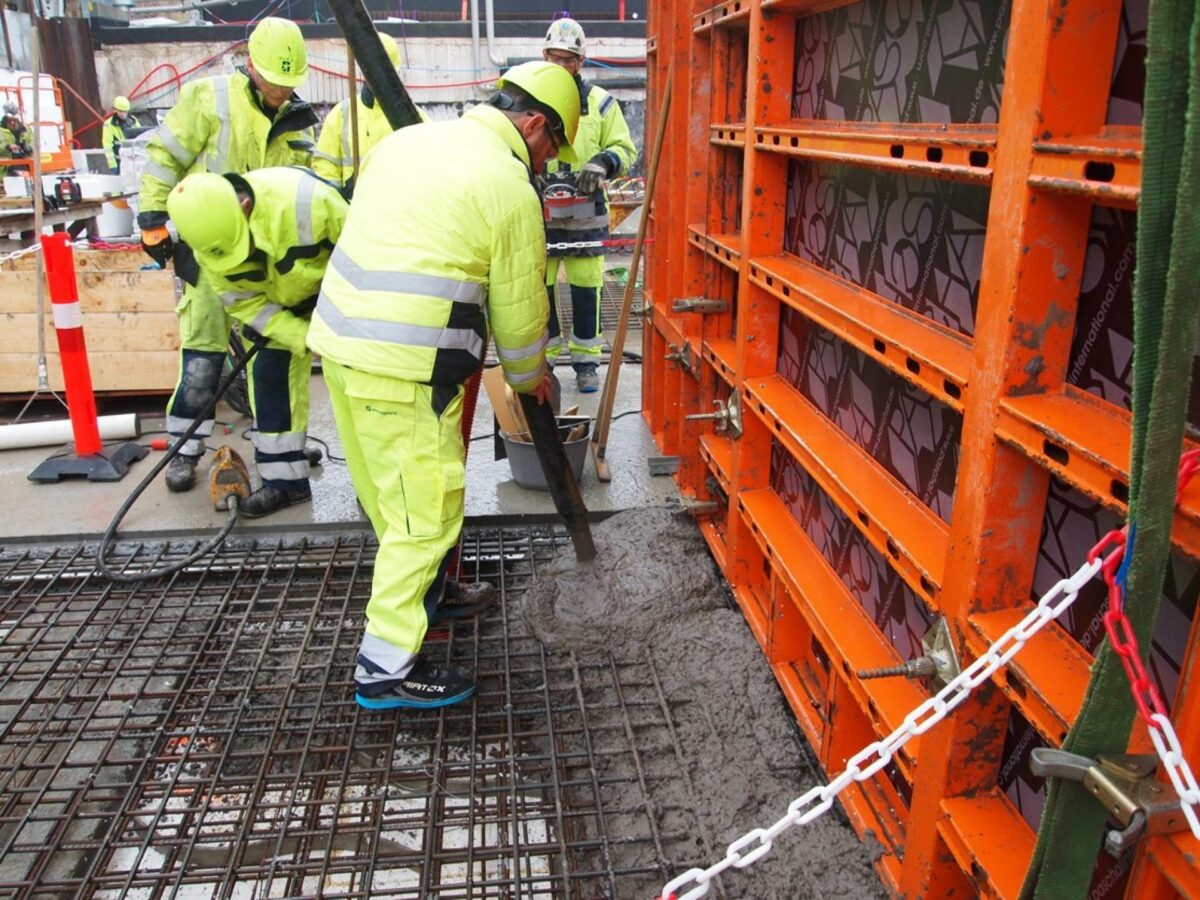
757, 843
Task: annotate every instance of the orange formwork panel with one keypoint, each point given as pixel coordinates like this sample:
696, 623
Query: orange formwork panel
919, 221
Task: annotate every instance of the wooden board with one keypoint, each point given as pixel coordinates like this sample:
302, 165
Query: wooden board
156, 371
497, 391
130, 325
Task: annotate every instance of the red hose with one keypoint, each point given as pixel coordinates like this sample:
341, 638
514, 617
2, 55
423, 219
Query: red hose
470, 398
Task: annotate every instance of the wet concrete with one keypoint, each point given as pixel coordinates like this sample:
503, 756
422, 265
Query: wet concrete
653, 594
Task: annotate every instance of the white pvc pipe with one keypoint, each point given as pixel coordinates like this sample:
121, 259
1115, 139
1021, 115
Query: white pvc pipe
45, 434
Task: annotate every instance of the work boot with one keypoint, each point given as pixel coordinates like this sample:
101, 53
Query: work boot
181, 473
267, 500
426, 686
586, 380
461, 600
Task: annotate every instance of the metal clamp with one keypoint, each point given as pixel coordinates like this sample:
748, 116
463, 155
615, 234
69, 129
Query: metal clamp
727, 416
1125, 784
939, 664
682, 355
701, 305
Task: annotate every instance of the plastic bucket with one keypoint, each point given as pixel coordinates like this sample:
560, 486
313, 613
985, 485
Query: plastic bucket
523, 459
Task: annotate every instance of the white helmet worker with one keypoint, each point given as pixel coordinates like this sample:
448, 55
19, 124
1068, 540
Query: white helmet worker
566, 34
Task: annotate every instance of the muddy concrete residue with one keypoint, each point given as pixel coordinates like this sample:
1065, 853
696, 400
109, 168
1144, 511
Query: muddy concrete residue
728, 756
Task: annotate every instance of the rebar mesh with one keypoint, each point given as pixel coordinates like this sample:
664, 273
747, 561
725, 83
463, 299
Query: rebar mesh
199, 736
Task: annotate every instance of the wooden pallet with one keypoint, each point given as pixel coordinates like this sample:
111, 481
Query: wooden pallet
129, 324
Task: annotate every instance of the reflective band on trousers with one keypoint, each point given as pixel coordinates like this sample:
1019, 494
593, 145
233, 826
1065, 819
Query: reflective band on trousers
283, 442
283, 471
397, 332
406, 282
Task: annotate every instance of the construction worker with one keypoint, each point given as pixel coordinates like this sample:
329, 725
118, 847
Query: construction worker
14, 136
444, 241
116, 129
262, 241
604, 141
228, 123
334, 159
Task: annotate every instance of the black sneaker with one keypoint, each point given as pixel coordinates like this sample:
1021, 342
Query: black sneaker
267, 500
462, 600
426, 686
181, 473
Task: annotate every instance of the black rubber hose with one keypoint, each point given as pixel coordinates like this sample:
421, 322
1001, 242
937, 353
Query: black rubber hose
564, 489
102, 565
369, 55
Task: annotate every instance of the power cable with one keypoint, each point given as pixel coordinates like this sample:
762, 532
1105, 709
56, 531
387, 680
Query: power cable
102, 551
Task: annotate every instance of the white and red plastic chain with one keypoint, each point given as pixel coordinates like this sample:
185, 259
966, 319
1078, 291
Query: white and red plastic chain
1125, 644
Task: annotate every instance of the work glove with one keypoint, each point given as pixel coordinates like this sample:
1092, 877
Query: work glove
592, 175
157, 244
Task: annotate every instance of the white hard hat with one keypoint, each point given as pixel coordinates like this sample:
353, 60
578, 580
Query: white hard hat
565, 34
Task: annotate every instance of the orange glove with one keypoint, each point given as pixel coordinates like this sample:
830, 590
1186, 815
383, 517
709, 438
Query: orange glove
158, 246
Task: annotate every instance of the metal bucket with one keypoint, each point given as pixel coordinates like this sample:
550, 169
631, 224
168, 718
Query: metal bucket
523, 459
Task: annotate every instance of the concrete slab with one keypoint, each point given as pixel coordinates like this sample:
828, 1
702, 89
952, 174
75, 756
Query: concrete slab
74, 510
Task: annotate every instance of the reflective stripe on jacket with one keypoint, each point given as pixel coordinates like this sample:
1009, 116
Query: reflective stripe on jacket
219, 126
602, 129
295, 222
334, 157
444, 239
113, 133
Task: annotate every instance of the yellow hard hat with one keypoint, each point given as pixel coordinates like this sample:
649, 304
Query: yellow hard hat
565, 34
391, 49
209, 217
554, 89
278, 53
121, 104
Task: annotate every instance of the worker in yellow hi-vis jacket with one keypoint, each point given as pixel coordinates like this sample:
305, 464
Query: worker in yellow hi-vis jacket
444, 241
334, 158
228, 123
604, 149
262, 241
116, 129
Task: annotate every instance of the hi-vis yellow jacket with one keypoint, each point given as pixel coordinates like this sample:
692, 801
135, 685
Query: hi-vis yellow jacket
113, 133
219, 126
443, 240
334, 158
295, 222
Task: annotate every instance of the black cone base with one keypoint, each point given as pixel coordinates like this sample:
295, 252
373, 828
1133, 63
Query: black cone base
110, 464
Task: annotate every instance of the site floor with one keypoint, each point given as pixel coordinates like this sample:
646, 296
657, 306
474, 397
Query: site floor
74, 509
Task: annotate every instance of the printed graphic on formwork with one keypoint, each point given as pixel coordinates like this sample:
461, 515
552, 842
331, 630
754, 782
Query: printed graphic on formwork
916, 241
1101, 360
910, 434
900, 61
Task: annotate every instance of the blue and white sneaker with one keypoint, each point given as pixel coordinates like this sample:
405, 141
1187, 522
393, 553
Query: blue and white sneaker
426, 686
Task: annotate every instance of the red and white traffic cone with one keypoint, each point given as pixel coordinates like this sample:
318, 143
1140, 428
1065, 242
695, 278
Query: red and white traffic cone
91, 459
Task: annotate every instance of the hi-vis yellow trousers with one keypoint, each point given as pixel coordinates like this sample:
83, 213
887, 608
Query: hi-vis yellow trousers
403, 446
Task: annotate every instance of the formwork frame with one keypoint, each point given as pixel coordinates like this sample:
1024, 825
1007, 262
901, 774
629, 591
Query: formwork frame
719, 220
